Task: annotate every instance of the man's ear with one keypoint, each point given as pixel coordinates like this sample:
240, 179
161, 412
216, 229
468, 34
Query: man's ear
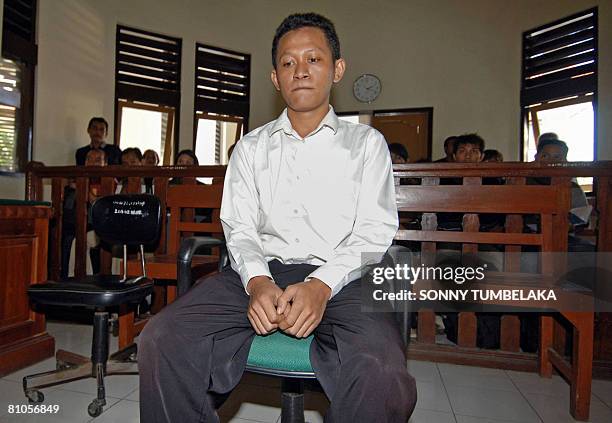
339, 68
274, 79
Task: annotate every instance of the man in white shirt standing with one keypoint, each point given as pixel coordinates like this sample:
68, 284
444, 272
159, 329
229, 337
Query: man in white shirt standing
304, 197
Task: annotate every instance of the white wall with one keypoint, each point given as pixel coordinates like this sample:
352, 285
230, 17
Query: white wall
460, 57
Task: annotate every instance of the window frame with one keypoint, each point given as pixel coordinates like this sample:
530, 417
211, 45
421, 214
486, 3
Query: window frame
25, 53
150, 99
220, 115
551, 103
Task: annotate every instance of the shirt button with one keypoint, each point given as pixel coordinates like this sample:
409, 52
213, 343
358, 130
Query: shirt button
295, 211
297, 177
297, 240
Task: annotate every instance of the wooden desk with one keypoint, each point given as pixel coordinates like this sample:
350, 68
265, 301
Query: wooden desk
24, 228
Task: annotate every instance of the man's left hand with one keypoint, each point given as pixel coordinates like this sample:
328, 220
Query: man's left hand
307, 302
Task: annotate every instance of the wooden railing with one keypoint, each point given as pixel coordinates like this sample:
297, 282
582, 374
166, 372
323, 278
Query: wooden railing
428, 173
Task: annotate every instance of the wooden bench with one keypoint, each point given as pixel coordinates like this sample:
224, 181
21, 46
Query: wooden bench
514, 200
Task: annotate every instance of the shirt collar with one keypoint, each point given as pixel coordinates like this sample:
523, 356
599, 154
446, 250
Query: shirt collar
102, 145
283, 123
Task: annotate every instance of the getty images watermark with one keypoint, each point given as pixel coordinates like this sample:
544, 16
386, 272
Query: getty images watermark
488, 281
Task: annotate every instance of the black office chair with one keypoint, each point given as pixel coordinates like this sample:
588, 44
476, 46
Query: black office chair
129, 220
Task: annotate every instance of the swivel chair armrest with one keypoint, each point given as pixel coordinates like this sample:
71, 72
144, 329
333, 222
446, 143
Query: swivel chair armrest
185, 256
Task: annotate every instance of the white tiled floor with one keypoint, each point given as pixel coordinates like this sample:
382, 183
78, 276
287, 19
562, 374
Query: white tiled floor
446, 394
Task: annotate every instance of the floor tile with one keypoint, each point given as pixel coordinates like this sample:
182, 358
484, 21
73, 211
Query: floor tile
491, 403
430, 416
603, 390
472, 419
252, 403
432, 396
424, 371
72, 408
532, 383
555, 409
134, 395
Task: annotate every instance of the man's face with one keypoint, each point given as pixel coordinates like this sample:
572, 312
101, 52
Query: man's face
95, 158
130, 159
397, 159
468, 153
149, 158
185, 160
551, 153
97, 132
305, 69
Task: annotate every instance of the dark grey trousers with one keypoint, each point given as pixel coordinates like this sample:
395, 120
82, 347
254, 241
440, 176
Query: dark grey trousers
197, 347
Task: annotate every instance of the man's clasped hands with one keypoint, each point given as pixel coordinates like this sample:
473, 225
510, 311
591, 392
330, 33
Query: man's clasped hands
297, 310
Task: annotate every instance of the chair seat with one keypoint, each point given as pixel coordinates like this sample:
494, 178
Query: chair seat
281, 355
96, 291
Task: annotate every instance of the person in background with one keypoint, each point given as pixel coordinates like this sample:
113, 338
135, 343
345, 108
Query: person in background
129, 157
399, 153
468, 148
98, 130
94, 157
184, 158
547, 136
552, 150
449, 148
149, 158
492, 156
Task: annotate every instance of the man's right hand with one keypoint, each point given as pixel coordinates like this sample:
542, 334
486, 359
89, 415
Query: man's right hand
262, 305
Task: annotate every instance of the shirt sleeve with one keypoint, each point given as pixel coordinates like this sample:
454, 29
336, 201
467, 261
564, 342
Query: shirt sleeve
376, 221
240, 217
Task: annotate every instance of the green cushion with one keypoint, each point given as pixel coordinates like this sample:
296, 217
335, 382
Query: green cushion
9, 202
281, 352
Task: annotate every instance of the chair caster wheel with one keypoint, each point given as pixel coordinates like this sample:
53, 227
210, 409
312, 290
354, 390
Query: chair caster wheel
94, 409
34, 396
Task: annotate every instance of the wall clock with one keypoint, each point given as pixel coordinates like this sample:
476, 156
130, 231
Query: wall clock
367, 88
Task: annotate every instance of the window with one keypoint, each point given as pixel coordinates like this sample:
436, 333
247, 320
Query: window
19, 54
559, 85
222, 97
147, 91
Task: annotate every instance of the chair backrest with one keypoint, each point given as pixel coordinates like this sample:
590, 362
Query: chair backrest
183, 202
127, 219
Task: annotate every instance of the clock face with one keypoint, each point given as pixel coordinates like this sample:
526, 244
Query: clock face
367, 88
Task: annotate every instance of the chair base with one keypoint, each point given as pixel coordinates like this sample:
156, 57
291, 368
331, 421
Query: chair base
292, 401
71, 366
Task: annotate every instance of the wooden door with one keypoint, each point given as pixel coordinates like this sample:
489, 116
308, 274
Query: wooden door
409, 128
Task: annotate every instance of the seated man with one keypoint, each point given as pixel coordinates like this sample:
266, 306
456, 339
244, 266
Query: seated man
304, 196
98, 130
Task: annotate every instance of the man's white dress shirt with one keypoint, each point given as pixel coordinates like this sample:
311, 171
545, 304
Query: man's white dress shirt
323, 199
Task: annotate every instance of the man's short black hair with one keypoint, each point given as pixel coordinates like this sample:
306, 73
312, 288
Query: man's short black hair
559, 143
98, 119
450, 139
301, 20
464, 139
399, 149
